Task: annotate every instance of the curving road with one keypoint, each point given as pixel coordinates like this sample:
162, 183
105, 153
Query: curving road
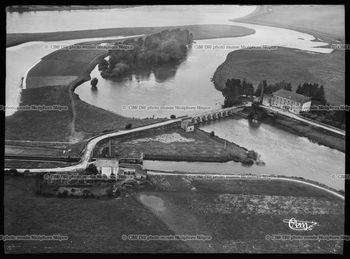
91, 145
85, 160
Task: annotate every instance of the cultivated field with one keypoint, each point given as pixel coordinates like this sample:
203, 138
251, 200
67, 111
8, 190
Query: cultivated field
239, 214
236, 214
92, 225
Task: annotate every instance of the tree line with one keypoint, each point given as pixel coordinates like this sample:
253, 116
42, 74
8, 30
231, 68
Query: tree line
237, 90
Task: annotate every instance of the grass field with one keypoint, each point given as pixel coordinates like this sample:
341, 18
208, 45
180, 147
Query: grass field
236, 214
92, 225
55, 125
34, 164
45, 125
286, 64
34, 151
157, 144
323, 21
63, 65
93, 120
42, 81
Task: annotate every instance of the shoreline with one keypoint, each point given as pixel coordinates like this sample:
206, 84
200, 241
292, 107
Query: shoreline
85, 76
313, 134
218, 149
109, 121
256, 17
301, 129
39, 8
200, 32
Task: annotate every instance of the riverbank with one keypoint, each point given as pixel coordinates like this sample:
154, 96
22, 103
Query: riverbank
291, 65
174, 144
209, 31
79, 120
38, 8
308, 19
314, 134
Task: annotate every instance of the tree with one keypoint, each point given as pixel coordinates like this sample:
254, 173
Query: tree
258, 89
248, 88
94, 82
319, 95
232, 92
140, 42
166, 46
91, 169
103, 65
283, 85
120, 68
128, 126
299, 91
314, 91
260, 86
13, 171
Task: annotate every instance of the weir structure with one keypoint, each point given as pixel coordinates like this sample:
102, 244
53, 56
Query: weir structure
216, 114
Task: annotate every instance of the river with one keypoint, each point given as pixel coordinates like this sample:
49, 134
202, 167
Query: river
140, 16
284, 154
187, 85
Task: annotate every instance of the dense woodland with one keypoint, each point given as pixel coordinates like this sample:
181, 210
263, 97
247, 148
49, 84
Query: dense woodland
166, 47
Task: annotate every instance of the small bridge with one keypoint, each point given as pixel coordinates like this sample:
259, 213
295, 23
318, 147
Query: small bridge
217, 114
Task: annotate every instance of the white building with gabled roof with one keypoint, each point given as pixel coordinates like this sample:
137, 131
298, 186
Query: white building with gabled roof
290, 101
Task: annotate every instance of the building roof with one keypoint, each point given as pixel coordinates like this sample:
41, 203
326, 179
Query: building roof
187, 123
105, 162
292, 96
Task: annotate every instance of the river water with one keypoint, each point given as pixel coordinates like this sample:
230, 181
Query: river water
140, 16
283, 153
178, 90
189, 84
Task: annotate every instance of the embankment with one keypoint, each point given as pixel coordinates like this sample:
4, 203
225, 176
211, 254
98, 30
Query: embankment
314, 134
